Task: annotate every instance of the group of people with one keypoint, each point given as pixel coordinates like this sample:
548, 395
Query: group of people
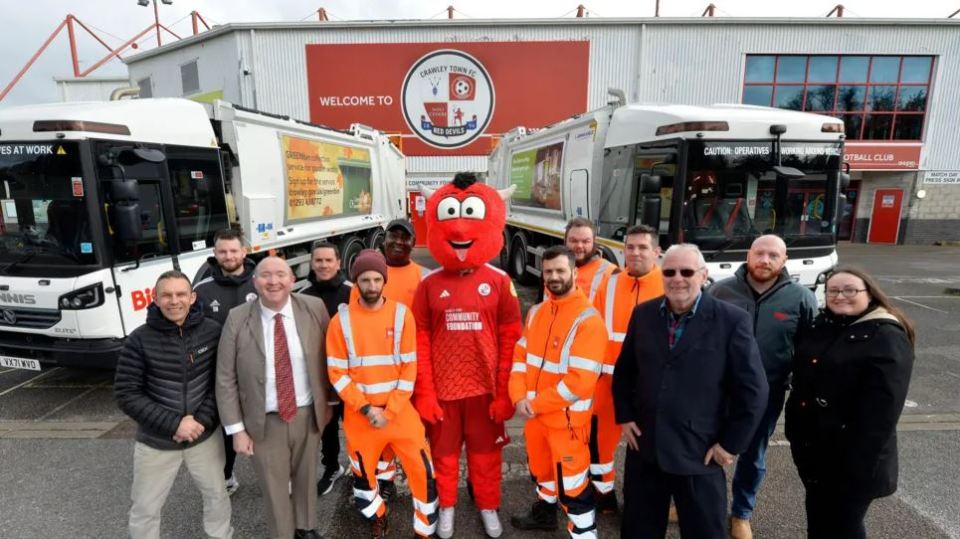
419, 364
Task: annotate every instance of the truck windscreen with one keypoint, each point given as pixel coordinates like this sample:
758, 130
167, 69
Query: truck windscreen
44, 221
732, 194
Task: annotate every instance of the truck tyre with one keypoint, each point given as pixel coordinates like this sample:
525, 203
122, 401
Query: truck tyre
519, 258
350, 247
607, 254
375, 238
504, 259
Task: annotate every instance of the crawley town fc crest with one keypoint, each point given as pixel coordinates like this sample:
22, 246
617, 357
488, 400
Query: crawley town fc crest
447, 98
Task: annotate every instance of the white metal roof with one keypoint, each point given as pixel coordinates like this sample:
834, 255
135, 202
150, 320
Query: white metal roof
639, 122
161, 121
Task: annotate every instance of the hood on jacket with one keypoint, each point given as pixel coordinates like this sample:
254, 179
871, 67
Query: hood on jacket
231, 280
157, 321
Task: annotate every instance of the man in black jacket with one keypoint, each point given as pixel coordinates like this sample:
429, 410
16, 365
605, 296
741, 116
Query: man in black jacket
165, 382
328, 283
688, 391
229, 282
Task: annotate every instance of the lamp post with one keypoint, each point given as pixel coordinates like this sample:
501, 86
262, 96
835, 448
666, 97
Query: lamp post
156, 14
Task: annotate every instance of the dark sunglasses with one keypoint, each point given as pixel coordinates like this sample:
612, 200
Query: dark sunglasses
685, 272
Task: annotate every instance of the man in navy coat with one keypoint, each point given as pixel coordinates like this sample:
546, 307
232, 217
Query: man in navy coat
689, 391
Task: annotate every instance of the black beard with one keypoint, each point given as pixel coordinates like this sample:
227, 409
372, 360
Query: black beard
567, 285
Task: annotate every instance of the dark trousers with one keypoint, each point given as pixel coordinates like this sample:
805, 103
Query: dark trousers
833, 515
701, 501
230, 453
330, 440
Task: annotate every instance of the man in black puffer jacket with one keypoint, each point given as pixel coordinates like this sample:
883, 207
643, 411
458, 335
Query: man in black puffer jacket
165, 382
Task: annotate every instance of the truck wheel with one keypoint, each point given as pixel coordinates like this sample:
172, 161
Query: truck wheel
375, 238
607, 253
504, 260
518, 260
350, 247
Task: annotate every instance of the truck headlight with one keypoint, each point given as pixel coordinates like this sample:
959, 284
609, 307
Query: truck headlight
87, 297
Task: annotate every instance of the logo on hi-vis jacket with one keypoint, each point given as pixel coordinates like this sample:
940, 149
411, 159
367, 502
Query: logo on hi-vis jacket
447, 98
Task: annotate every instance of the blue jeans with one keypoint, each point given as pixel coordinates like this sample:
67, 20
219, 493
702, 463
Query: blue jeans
751, 465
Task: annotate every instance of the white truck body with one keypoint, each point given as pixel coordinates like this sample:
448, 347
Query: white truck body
701, 157
82, 243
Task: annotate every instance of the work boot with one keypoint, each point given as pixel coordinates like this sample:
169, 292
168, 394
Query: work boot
491, 523
379, 527
542, 516
387, 490
740, 528
607, 503
445, 523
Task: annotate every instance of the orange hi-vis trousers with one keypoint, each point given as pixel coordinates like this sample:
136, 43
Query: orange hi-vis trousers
404, 434
559, 461
604, 436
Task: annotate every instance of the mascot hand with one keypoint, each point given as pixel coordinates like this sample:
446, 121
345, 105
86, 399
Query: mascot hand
429, 408
501, 409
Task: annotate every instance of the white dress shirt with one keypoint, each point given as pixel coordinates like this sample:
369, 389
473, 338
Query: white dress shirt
298, 364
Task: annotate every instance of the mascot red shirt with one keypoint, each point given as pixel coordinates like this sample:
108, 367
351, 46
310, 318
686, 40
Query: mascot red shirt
468, 320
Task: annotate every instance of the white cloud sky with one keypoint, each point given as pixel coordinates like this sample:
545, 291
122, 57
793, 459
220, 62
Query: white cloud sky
23, 30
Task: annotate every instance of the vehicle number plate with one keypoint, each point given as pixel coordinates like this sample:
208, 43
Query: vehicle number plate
19, 363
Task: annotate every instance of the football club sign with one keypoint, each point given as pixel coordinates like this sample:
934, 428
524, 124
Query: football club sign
447, 98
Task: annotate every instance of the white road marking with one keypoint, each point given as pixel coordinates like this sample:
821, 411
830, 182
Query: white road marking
21, 384
71, 401
901, 298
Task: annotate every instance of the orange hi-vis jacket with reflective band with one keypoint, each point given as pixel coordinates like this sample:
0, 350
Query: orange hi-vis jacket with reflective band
591, 275
558, 359
615, 300
402, 282
372, 355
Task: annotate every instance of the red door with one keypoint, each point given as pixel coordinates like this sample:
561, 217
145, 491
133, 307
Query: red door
885, 219
417, 207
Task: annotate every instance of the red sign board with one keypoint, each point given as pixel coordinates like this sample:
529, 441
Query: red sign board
447, 98
880, 156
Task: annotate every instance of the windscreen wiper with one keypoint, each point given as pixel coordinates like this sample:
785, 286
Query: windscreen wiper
25, 258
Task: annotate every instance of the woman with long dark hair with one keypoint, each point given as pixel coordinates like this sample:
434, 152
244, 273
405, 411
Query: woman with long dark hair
851, 374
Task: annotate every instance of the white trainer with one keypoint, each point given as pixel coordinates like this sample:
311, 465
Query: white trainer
445, 524
232, 485
491, 523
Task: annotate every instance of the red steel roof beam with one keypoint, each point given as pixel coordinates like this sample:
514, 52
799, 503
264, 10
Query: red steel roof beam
33, 58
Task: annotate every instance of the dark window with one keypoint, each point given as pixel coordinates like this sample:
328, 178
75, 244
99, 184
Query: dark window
883, 87
791, 69
760, 68
146, 88
190, 78
758, 95
198, 198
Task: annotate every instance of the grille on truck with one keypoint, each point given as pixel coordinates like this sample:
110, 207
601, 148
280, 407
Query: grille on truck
28, 318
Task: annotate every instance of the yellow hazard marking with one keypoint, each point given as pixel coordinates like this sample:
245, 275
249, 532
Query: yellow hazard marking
61, 151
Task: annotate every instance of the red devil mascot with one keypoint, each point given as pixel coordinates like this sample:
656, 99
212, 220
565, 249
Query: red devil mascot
468, 320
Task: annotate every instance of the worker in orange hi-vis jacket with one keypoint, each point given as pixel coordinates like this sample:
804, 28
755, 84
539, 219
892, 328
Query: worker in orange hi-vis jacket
592, 268
556, 364
371, 359
639, 280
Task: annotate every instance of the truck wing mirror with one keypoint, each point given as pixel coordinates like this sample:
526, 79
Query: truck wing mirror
124, 190
649, 184
127, 222
789, 173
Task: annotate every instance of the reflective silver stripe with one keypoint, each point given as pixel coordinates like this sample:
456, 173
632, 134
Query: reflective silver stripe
337, 362
607, 369
531, 395
398, 329
583, 520
387, 475
371, 361
597, 277
384, 387
371, 510
368, 495
571, 482
344, 311
591, 534
341, 383
568, 341
565, 392
549, 485
522, 341
519, 367
383, 465
546, 497
600, 469
405, 385
586, 364
423, 529
534, 360
616, 337
581, 405
603, 487
531, 314
425, 508
551, 367
355, 465
608, 302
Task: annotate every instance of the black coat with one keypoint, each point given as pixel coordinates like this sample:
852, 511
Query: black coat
166, 372
332, 292
218, 293
850, 383
709, 389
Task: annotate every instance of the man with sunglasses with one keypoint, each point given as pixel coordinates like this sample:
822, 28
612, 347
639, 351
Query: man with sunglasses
779, 306
688, 392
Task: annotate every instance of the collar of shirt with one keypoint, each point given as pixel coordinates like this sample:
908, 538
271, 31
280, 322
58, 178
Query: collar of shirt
667, 313
267, 314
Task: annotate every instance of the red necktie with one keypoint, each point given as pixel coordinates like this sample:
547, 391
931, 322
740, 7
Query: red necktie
286, 394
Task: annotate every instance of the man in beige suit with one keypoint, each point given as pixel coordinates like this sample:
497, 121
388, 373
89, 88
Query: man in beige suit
272, 394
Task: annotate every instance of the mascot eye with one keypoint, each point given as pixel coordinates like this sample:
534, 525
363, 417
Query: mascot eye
448, 208
473, 208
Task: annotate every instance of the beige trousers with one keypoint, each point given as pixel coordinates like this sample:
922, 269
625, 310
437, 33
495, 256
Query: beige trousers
154, 471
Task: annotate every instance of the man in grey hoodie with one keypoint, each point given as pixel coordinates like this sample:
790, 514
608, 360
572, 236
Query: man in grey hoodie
778, 306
